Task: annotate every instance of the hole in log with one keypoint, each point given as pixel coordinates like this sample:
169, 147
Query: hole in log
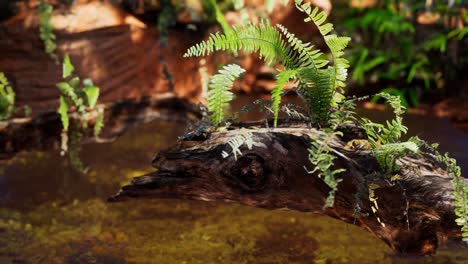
250, 171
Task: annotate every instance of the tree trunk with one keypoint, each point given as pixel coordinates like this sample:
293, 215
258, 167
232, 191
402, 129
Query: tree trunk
415, 213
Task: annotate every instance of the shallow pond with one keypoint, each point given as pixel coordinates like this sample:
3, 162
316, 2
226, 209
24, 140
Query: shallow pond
51, 214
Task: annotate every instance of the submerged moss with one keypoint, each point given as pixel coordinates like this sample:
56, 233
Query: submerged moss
67, 220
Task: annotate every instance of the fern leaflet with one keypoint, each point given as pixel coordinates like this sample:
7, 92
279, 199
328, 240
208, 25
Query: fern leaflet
335, 44
320, 157
283, 79
245, 137
219, 95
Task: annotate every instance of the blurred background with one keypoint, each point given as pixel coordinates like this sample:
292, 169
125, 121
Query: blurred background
53, 207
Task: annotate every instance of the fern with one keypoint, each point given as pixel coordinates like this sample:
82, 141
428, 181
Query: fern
7, 98
320, 157
385, 140
460, 186
219, 95
387, 154
245, 137
46, 33
319, 150
378, 133
316, 89
335, 44
283, 79
460, 192
80, 97
251, 38
219, 16
301, 60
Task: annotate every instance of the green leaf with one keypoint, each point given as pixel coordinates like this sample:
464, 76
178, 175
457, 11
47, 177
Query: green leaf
392, 91
92, 93
74, 82
374, 63
67, 67
219, 94
63, 111
282, 79
64, 87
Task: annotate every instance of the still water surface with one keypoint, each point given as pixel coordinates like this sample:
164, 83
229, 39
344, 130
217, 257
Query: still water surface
51, 214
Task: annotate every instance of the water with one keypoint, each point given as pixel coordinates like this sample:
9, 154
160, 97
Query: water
51, 214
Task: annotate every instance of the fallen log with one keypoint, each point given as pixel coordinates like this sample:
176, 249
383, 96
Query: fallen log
415, 213
44, 131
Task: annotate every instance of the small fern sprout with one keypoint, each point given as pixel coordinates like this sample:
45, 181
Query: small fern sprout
380, 134
219, 95
7, 98
46, 33
283, 79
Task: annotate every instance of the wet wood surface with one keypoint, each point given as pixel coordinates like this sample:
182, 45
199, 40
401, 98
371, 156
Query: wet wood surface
415, 213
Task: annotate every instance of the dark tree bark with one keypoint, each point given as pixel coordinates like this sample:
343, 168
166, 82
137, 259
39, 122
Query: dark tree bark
415, 213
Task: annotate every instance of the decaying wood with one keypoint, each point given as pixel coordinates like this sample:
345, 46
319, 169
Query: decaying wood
415, 213
43, 131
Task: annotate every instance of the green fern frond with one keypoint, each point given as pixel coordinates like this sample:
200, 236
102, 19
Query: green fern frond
380, 134
7, 98
305, 55
387, 154
460, 185
282, 79
46, 33
219, 95
266, 40
335, 44
320, 157
262, 38
316, 89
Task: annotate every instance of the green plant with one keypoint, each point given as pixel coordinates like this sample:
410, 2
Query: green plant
320, 157
322, 91
321, 87
7, 98
46, 33
385, 140
380, 134
393, 48
219, 95
80, 99
460, 192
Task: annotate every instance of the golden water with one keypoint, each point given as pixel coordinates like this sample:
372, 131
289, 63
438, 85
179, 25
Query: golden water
52, 214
